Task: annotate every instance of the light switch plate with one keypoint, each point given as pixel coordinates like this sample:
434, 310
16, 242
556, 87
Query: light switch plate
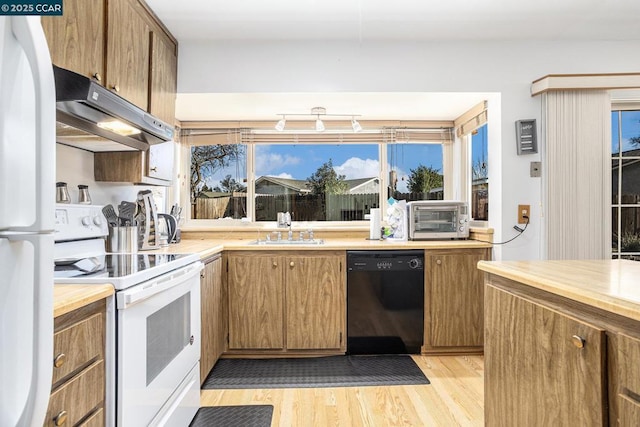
535, 169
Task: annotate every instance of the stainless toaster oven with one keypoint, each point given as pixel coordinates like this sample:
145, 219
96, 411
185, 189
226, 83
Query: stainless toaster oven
438, 219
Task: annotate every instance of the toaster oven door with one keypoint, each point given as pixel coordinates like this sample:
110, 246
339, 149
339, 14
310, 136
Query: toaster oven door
434, 222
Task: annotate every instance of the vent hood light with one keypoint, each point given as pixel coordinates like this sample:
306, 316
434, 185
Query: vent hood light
119, 127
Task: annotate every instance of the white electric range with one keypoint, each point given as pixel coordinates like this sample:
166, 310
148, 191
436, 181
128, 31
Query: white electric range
156, 327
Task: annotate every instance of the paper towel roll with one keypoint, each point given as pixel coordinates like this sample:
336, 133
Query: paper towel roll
374, 224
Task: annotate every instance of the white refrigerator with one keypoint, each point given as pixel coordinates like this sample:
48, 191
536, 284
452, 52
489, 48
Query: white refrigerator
27, 200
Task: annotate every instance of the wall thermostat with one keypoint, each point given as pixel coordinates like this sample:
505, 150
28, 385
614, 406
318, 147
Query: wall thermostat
526, 137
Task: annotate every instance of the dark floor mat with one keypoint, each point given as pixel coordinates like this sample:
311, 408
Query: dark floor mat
333, 371
233, 416
376, 345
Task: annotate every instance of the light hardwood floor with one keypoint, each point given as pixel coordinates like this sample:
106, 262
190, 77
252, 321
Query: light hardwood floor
455, 397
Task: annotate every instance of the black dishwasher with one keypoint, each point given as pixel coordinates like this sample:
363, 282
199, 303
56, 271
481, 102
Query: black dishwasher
385, 301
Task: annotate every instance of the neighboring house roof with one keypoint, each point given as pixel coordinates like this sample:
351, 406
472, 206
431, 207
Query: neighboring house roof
299, 185
354, 184
213, 194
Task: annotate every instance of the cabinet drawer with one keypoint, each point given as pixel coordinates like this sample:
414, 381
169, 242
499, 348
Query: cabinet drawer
78, 397
77, 346
629, 364
629, 411
95, 420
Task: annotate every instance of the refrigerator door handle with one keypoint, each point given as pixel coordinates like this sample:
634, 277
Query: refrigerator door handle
28, 31
41, 312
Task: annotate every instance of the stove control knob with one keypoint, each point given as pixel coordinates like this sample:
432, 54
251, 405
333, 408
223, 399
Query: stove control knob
461, 228
97, 220
86, 221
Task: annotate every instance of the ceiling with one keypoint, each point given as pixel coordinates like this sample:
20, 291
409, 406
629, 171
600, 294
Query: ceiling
366, 21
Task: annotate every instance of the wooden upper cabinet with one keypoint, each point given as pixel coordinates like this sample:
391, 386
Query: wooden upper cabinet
454, 298
162, 95
255, 286
76, 39
128, 41
542, 367
315, 295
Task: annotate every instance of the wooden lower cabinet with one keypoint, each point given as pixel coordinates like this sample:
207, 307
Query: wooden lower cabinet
285, 302
542, 367
256, 301
78, 386
213, 340
315, 301
626, 381
454, 305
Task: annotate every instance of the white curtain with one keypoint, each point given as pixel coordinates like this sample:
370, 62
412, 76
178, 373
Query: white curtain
577, 174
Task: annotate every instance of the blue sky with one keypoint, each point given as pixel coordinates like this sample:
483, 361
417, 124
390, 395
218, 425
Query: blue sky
630, 128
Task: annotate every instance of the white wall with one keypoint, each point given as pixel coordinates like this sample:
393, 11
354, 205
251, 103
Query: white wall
507, 68
75, 166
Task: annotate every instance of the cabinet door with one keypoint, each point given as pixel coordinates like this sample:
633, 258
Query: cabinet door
128, 53
542, 367
627, 381
76, 39
315, 294
213, 336
255, 286
454, 299
163, 79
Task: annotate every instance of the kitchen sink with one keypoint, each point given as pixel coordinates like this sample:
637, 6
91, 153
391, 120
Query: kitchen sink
285, 242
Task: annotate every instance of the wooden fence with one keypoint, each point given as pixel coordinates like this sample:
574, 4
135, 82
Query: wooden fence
220, 207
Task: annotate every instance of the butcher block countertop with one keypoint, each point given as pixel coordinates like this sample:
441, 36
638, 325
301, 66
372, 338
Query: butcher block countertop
67, 298
70, 297
208, 247
611, 285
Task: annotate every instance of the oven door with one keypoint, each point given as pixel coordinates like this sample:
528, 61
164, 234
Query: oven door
158, 336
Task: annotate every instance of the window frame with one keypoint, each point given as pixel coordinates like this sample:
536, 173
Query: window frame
448, 170
616, 252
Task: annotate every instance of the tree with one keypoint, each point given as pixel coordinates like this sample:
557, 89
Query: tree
635, 140
325, 180
479, 169
207, 159
229, 185
423, 179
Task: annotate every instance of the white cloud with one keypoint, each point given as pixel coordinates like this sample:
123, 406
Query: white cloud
267, 162
356, 167
283, 175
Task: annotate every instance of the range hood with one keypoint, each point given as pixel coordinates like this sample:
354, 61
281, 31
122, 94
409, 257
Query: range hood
94, 118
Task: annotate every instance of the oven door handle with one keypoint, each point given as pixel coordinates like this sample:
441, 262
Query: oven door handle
148, 289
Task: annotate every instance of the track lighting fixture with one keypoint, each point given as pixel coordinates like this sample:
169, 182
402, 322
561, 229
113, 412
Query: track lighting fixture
281, 123
355, 125
319, 125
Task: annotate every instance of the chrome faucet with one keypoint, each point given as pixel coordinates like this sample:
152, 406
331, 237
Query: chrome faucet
287, 221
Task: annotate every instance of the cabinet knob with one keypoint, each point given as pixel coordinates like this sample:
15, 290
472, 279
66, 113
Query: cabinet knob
292, 264
438, 262
61, 418
275, 264
578, 341
153, 169
59, 360
116, 88
202, 275
97, 76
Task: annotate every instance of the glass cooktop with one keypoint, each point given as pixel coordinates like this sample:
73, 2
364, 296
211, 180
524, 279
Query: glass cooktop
122, 270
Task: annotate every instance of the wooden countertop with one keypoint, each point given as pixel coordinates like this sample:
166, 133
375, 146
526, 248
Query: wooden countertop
611, 285
67, 298
208, 247
70, 297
